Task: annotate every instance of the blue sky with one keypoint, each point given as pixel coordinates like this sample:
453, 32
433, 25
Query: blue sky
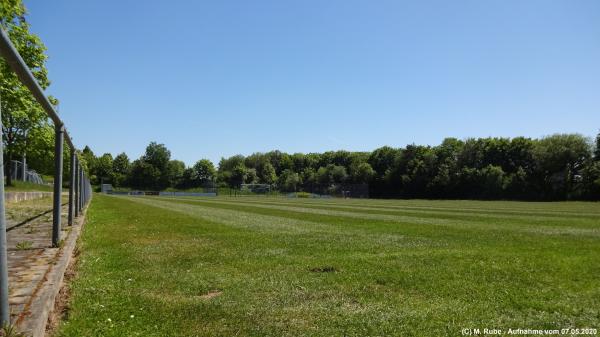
213, 79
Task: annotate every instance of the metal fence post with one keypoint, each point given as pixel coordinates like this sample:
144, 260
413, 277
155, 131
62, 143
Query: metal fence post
58, 172
4, 310
86, 191
24, 168
71, 185
80, 201
76, 187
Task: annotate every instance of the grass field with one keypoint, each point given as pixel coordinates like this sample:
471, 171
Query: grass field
21, 186
255, 266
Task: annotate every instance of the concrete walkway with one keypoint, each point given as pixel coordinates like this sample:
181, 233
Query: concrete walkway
36, 270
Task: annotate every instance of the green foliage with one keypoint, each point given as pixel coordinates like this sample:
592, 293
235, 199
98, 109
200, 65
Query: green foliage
597, 148
251, 176
121, 164
121, 169
104, 168
288, 181
362, 172
176, 172
154, 170
556, 167
202, 172
238, 175
23, 120
266, 174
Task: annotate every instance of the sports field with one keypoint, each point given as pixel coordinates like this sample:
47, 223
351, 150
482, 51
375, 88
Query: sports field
257, 266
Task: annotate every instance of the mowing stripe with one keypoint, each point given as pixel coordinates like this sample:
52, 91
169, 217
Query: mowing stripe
368, 204
536, 226
417, 226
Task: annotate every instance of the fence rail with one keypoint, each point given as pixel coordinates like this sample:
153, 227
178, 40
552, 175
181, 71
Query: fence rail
80, 189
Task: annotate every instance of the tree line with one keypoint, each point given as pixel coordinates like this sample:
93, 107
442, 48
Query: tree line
557, 167
154, 170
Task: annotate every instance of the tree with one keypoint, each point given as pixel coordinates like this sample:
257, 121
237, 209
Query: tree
338, 173
145, 176
154, 170
382, 159
289, 180
104, 168
266, 174
560, 158
121, 163
323, 176
40, 149
121, 168
238, 176
203, 172
21, 114
175, 172
91, 162
493, 182
362, 172
597, 148
251, 176
157, 155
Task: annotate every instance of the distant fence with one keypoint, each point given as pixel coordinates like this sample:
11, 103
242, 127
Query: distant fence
310, 191
164, 194
338, 190
187, 194
207, 190
21, 172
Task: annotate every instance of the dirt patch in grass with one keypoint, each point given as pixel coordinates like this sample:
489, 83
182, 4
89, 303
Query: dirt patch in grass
324, 269
211, 294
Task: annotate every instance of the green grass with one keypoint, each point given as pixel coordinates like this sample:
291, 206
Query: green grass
22, 186
257, 266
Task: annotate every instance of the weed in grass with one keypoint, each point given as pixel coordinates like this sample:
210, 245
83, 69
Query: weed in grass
9, 330
24, 245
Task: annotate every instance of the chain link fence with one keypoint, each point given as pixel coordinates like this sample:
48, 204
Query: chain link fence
20, 171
